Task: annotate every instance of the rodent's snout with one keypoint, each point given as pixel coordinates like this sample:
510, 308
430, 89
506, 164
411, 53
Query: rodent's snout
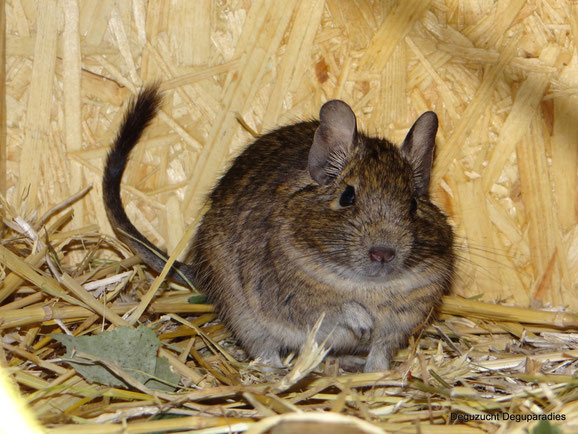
381, 254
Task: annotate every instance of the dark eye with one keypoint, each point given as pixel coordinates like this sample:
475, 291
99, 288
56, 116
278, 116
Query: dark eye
413, 206
347, 197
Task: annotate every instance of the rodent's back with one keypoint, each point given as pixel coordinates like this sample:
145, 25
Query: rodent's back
275, 159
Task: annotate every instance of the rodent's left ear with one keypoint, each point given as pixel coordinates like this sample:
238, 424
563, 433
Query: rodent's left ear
333, 142
418, 148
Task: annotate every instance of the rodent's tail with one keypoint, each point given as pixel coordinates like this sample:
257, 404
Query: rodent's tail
139, 115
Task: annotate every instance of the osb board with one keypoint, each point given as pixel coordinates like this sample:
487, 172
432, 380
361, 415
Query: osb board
501, 75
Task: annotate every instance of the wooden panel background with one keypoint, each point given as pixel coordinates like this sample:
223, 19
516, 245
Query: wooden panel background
501, 75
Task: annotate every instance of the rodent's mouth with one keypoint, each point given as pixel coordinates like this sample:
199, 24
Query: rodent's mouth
368, 270
354, 272
377, 270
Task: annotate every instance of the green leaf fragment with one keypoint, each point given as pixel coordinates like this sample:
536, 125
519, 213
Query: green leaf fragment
133, 350
198, 299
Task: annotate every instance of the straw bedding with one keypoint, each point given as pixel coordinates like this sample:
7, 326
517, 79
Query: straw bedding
502, 77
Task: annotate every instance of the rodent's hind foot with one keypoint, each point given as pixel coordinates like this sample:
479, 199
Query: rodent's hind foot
269, 359
349, 362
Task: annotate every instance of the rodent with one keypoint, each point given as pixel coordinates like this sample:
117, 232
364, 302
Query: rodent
312, 217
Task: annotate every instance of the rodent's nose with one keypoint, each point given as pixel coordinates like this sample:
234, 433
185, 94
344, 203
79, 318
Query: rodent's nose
381, 254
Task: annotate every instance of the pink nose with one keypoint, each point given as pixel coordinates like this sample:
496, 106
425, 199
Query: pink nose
381, 254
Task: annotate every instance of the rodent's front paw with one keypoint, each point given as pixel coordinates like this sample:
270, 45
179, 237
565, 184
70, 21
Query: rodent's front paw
358, 319
377, 360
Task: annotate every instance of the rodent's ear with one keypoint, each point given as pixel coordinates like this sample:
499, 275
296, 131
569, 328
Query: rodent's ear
333, 142
418, 148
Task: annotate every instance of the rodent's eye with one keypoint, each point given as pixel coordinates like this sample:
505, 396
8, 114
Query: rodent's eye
347, 197
413, 206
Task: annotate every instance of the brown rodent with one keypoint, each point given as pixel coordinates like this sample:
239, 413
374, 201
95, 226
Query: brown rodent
312, 217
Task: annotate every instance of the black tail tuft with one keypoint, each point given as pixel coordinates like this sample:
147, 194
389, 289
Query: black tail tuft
139, 115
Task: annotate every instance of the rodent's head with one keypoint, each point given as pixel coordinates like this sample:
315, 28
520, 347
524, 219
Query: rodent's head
367, 213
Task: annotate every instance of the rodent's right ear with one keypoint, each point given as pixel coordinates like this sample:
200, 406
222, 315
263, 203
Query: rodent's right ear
333, 142
418, 148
